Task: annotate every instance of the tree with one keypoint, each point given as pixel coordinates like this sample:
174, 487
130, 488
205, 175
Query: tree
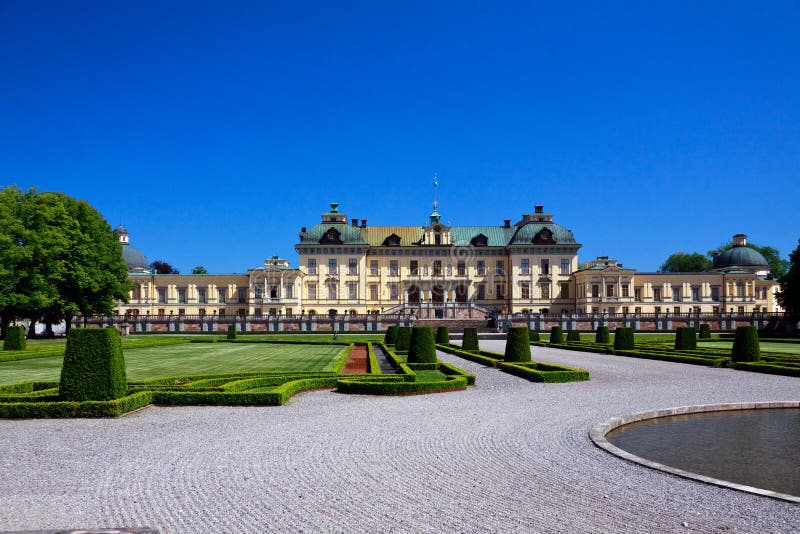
162, 267
789, 296
777, 265
199, 270
681, 262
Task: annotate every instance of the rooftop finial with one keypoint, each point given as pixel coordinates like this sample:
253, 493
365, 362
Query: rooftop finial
435, 215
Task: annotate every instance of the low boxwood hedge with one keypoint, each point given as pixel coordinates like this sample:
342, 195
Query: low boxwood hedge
373, 387
573, 335
541, 372
533, 336
705, 331
374, 365
470, 339
14, 338
602, 336
623, 338
557, 335
685, 338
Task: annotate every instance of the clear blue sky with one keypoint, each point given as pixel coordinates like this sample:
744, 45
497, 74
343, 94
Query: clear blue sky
214, 130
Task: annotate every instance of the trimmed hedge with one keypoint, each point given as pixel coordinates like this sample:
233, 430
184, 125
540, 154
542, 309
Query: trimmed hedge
518, 345
391, 335
470, 340
403, 338
533, 336
705, 331
231, 331
53, 409
685, 338
374, 365
573, 335
94, 367
623, 338
442, 336
602, 336
745, 345
422, 347
15, 338
557, 335
542, 372
470, 355
383, 387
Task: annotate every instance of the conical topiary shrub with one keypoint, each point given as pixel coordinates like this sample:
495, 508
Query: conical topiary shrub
705, 331
403, 338
685, 338
391, 335
94, 367
470, 341
518, 346
573, 335
533, 335
422, 348
602, 336
556, 334
15, 338
231, 331
745, 345
442, 336
623, 338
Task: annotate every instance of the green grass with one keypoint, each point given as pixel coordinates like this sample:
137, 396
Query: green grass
187, 359
430, 376
766, 346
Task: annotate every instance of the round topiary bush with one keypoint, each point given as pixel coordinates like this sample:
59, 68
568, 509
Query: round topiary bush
94, 367
231, 331
533, 335
623, 338
745, 345
573, 335
685, 338
602, 336
15, 338
518, 345
422, 347
391, 335
705, 331
403, 338
556, 334
470, 341
442, 336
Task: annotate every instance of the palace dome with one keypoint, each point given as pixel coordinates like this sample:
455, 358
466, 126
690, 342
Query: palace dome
741, 256
135, 260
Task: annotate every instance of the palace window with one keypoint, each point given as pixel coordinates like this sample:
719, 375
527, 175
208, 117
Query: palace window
437, 268
501, 291
201, 295
625, 291
288, 291
657, 294
312, 291
676, 294
352, 266
696, 294
332, 291
481, 268
545, 266
637, 294
241, 295
161, 294
181, 295
201, 312
393, 269
312, 266
462, 268
715, 294
393, 293
481, 292
595, 291
545, 289
740, 289
373, 267
565, 266
677, 310
425, 270
161, 312
525, 266
657, 309
564, 290
437, 239
414, 268
222, 312
373, 292
222, 296
258, 292
332, 266
352, 290
609, 290
525, 290
500, 267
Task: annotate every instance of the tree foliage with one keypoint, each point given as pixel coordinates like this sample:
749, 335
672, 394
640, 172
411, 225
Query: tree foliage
199, 270
789, 296
162, 267
58, 258
681, 262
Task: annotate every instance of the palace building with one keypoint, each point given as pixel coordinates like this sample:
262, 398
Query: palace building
349, 268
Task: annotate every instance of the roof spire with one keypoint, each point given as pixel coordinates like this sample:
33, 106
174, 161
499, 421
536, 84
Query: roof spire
435, 217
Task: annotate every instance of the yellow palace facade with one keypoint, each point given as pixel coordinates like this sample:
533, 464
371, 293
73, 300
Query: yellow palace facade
349, 268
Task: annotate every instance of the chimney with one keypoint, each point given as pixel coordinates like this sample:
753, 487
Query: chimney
354, 222
539, 209
506, 223
363, 223
740, 240
303, 230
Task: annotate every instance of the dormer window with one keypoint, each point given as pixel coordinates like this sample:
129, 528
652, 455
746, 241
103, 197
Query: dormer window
331, 237
480, 240
437, 239
545, 236
392, 241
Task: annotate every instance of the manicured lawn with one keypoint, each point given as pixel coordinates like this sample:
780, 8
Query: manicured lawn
766, 346
192, 358
430, 376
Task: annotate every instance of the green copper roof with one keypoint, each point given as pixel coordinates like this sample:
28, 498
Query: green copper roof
376, 235
525, 235
349, 235
496, 236
740, 257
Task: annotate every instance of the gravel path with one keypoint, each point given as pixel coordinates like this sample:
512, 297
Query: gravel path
507, 455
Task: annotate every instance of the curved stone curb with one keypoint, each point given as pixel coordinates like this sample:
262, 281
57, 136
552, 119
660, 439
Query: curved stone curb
598, 436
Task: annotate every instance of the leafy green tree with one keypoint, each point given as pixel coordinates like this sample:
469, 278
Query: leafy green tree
681, 262
199, 270
162, 267
789, 296
777, 265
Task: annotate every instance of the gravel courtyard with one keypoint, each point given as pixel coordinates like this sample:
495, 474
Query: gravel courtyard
506, 455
